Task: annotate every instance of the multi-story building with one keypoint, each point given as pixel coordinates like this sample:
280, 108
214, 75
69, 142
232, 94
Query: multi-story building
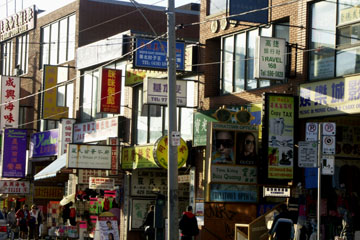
294, 64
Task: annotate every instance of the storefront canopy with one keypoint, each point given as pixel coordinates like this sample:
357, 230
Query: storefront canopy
52, 169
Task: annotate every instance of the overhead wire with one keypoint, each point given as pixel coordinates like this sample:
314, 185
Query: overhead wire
155, 39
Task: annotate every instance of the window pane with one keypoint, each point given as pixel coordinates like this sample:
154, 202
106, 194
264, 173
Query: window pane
54, 43
240, 55
141, 123
348, 61
70, 99
95, 82
25, 53
156, 120
348, 11
45, 45
349, 34
322, 39
63, 40
71, 37
187, 123
251, 82
282, 31
217, 6
264, 83
266, 31
228, 64
61, 96
86, 96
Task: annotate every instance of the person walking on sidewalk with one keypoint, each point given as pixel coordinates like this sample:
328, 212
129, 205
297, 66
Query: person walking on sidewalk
188, 225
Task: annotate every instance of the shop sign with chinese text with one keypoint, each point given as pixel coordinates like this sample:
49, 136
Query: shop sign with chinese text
97, 130
138, 157
88, 156
14, 187
45, 192
14, 153
156, 92
10, 93
333, 97
85, 174
161, 152
270, 60
66, 127
44, 143
101, 183
109, 91
153, 54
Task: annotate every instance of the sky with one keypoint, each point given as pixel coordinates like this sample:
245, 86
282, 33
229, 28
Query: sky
50, 5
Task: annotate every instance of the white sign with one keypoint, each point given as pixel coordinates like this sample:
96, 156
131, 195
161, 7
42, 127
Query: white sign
328, 144
17, 23
156, 90
101, 183
312, 131
65, 134
307, 154
276, 192
328, 129
88, 156
175, 138
270, 58
328, 163
222, 173
184, 178
98, 130
10, 91
14, 187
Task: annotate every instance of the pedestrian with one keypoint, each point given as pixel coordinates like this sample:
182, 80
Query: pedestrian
11, 220
5, 212
34, 222
149, 224
282, 226
188, 225
23, 218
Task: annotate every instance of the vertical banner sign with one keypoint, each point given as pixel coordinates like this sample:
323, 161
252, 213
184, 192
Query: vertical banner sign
110, 91
50, 108
66, 127
10, 91
281, 136
114, 143
14, 153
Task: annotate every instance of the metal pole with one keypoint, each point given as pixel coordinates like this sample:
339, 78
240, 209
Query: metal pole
172, 211
319, 182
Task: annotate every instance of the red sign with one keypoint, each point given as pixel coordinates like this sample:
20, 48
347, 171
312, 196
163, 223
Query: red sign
110, 91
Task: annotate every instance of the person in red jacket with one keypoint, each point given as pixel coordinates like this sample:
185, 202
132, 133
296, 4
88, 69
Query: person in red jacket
23, 218
188, 225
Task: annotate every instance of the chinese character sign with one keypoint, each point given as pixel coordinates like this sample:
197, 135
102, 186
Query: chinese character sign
44, 143
333, 97
280, 136
14, 153
270, 61
110, 91
10, 94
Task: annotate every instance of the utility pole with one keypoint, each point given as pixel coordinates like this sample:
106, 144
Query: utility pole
172, 211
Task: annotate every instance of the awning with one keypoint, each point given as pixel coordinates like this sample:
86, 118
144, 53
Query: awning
67, 199
52, 169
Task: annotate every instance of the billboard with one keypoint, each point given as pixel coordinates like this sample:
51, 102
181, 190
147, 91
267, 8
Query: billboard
44, 144
50, 108
109, 91
14, 153
10, 88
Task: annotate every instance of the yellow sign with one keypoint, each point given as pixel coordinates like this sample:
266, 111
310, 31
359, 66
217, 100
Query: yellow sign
161, 150
349, 15
46, 192
50, 108
138, 157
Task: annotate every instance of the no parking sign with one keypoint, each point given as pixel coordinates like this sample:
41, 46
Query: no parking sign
328, 144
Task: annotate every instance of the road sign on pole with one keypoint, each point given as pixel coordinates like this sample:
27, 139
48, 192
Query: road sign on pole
307, 154
312, 131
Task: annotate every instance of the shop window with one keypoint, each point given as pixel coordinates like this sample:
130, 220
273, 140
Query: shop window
58, 41
238, 56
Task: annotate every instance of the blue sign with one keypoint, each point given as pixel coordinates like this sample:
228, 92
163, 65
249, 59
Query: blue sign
233, 193
44, 143
237, 7
153, 55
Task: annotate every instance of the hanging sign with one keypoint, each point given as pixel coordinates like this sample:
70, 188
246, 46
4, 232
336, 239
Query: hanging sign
161, 150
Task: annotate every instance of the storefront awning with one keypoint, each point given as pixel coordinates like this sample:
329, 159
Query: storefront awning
52, 169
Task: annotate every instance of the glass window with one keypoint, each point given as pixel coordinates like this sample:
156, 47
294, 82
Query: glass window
187, 123
348, 11
217, 6
58, 41
322, 64
240, 56
348, 61
228, 64
87, 96
251, 81
281, 30
6, 58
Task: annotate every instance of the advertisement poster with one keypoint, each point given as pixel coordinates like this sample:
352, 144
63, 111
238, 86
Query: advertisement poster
44, 143
14, 153
107, 228
281, 136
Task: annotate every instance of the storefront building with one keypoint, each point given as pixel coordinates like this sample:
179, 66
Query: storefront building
318, 83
